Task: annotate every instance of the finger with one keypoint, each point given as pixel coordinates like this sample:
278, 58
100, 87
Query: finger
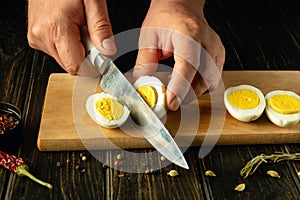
180, 82
198, 88
187, 59
209, 70
148, 54
146, 63
69, 48
42, 40
99, 26
212, 61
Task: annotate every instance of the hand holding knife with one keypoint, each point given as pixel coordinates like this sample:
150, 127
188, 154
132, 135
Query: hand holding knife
114, 83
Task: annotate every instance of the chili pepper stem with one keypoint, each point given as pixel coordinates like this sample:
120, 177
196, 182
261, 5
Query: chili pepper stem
22, 170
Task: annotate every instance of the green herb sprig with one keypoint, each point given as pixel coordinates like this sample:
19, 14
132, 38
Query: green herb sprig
253, 164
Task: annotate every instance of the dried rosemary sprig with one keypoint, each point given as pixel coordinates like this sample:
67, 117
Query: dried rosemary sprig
253, 164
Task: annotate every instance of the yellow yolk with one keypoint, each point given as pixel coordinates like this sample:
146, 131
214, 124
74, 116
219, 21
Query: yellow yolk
149, 94
110, 108
284, 104
243, 99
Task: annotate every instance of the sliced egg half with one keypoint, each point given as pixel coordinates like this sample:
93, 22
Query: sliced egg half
106, 111
153, 91
283, 107
244, 102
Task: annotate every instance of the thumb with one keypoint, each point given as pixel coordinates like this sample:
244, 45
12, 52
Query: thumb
99, 26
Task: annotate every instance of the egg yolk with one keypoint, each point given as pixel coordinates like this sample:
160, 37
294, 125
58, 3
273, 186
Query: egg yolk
243, 99
110, 108
284, 104
149, 94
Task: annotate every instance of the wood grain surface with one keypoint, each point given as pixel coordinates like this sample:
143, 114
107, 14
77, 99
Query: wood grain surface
64, 112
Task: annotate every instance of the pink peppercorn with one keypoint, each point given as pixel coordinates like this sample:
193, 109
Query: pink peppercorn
117, 163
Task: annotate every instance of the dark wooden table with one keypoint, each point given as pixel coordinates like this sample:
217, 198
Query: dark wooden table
258, 35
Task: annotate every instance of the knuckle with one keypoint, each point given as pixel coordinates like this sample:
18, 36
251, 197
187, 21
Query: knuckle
34, 33
71, 68
192, 27
101, 25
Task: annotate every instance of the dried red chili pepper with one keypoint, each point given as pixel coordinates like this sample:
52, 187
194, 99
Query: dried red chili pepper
18, 166
7, 122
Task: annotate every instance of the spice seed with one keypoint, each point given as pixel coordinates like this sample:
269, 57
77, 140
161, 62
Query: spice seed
273, 173
147, 171
83, 158
117, 163
104, 165
68, 160
120, 156
298, 174
240, 187
58, 164
209, 173
162, 158
173, 173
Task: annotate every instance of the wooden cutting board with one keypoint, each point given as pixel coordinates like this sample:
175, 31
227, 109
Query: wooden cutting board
65, 124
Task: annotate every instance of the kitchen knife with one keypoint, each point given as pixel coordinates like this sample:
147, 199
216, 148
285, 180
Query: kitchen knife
149, 126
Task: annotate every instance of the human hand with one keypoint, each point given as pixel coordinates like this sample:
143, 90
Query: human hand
179, 28
54, 27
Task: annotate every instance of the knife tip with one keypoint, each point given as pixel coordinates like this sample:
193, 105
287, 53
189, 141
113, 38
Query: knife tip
182, 163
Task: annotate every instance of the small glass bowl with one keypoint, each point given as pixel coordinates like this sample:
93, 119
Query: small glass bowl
10, 119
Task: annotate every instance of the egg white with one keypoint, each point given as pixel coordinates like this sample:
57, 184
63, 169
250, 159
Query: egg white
245, 115
160, 108
98, 117
282, 120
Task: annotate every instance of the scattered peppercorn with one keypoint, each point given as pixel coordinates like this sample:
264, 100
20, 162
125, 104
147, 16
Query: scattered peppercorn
82, 170
162, 158
119, 156
147, 171
58, 164
83, 158
68, 160
104, 165
77, 167
117, 163
120, 175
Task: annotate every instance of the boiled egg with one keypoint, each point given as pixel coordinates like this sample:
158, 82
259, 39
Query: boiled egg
106, 111
283, 107
244, 102
153, 91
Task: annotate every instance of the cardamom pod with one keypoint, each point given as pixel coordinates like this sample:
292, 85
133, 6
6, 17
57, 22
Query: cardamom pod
273, 173
209, 173
240, 187
173, 173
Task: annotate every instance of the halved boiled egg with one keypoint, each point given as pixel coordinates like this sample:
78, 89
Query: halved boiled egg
106, 111
244, 102
153, 91
283, 107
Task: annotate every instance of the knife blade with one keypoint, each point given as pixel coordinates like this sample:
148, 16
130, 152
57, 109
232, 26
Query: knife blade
149, 126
